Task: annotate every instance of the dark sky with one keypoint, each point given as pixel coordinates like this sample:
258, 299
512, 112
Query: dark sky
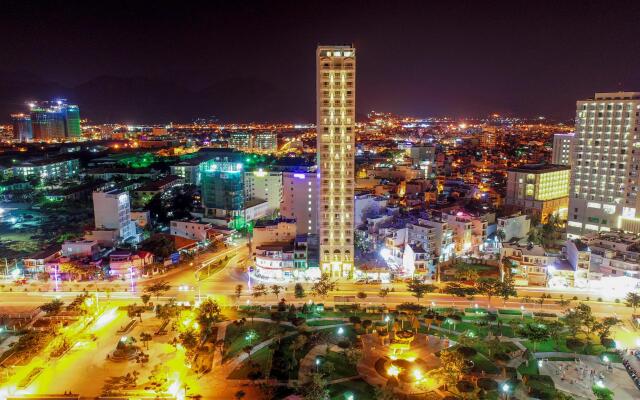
248, 60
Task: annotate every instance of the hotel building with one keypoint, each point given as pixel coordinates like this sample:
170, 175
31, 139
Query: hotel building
335, 88
539, 189
605, 179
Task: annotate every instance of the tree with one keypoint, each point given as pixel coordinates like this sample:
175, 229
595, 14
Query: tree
588, 321
298, 343
501, 235
384, 292
160, 245
316, 389
384, 393
506, 288
145, 338
466, 272
603, 328
489, 287
323, 286
276, 290
238, 293
418, 288
452, 364
207, 314
632, 300
240, 394
554, 328
189, 340
535, 333
602, 393
299, 291
53, 307
158, 288
259, 290
573, 322
145, 297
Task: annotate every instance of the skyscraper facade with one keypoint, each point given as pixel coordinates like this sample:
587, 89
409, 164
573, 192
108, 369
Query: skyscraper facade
561, 154
22, 130
55, 120
335, 112
606, 179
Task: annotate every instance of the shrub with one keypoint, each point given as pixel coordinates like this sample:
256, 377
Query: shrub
487, 384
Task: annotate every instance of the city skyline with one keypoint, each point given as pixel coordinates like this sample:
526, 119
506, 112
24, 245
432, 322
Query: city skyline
460, 60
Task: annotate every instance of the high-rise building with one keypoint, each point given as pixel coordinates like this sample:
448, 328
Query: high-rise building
265, 141
55, 120
300, 200
222, 188
47, 123
605, 179
22, 130
562, 148
264, 185
335, 113
241, 140
112, 211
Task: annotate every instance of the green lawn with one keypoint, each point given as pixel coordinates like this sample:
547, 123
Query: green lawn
236, 337
360, 390
260, 361
531, 369
342, 368
325, 322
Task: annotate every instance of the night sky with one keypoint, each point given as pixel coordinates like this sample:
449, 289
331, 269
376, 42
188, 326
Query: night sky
254, 61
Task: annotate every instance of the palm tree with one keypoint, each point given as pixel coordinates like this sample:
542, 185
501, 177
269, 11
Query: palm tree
276, 290
145, 338
633, 300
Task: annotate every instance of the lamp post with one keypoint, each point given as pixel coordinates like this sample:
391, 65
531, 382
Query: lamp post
505, 390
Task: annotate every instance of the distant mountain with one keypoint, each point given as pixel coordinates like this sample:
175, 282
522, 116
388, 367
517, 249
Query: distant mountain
151, 100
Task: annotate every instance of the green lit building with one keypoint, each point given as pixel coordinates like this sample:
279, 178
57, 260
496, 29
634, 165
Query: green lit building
222, 188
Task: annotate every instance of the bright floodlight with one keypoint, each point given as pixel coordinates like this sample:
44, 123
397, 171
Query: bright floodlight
600, 384
340, 331
505, 387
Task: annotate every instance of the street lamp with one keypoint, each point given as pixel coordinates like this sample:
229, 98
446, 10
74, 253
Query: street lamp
505, 389
317, 364
340, 331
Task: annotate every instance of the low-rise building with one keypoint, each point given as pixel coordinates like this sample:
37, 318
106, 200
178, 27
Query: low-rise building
281, 230
80, 248
61, 167
191, 229
539, 189
515, 226
529, 262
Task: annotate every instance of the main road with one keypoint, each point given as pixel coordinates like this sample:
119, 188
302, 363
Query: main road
218, 274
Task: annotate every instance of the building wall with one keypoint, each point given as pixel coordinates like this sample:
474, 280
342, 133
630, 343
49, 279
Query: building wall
300, 200
112, 210
538, 193
336, 85
190, 230
222, 186
605, 179
280, 232
265, 186
514, 227
561, 154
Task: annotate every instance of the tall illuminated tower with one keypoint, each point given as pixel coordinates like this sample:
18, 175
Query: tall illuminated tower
605, 163
336, 88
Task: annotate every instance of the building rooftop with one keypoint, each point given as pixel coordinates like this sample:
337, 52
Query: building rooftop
540, 168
